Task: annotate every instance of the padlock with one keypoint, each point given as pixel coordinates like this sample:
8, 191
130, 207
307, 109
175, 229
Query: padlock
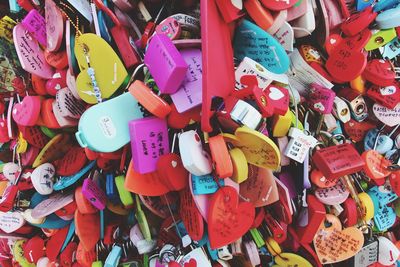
299, 145
356, 103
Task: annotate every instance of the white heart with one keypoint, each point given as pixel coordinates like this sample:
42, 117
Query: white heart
174, 163
11, 221
11, 171
351, 124
58, 86
332, 41
319, 106
275, 93
390, 117
42, 178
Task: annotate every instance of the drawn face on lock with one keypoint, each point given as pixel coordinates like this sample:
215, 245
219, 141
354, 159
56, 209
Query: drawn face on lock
42, 178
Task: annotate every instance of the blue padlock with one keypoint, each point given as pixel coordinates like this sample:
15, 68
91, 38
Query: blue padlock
205, 184
114, 257
111, 189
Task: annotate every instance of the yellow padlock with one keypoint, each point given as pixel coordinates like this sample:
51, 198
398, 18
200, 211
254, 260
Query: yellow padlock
281, 124
240, 167
358, 84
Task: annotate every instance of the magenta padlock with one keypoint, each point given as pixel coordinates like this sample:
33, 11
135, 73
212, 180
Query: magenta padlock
169, 27
149, 141
321, 98
165, 64
94, 194
189, 94
36, 25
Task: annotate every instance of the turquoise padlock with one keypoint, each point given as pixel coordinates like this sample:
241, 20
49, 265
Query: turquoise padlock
384, 218
255, 43
205, 184
114, 257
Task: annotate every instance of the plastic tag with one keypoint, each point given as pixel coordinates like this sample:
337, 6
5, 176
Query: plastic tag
190, 215
36, 25
390, 117
248, 34
225, 207
299, 145
54, 26
260, 187
149, 141
42, 178
94, 194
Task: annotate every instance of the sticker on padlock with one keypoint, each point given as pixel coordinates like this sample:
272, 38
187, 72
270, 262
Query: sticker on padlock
299, 145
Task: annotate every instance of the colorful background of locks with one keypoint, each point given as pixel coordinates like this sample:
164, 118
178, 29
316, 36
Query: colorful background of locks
199, 133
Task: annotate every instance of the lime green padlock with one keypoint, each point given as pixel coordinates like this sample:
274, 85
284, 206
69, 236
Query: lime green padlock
124, 195
380, 38
97, 264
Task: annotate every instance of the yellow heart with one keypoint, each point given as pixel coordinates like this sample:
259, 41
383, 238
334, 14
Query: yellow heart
109, 70
337, 245
257, 147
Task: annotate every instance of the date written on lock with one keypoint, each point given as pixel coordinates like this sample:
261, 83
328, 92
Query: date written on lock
337, 161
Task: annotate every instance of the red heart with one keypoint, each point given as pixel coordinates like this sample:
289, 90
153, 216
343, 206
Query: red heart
357, 130
72, 162
190, 215
379, 72
34, 136
347, 61
395, 182
228, 219
4, 138
191, 263
388, 96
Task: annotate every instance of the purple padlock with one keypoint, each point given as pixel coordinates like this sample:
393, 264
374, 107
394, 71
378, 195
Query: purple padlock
165, 64
36, 25
94, 194
149, 141
321, 98
189, 94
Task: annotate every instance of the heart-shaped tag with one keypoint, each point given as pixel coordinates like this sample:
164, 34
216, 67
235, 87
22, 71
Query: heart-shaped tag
190, 215
58, 60
379, 72
285, 36
29, 53
335, 245
334, 195
357, 130
11, 171
260, 188
228, 219
110, 72
68, 105
34, 136
191, 263
87, 229
11, 221
72, 162
252, 41
390, 117
258, 148
388, 96
27, 112
42, 178
54, 26
57, 82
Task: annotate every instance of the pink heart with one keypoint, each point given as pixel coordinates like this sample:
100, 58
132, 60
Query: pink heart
29, 53
27, 112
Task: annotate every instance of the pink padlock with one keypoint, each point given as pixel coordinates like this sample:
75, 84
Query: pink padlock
36, 25
189, 94
165, 64
149, 141
94, 194
27, 112
169, 27
321, 98
58, 82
